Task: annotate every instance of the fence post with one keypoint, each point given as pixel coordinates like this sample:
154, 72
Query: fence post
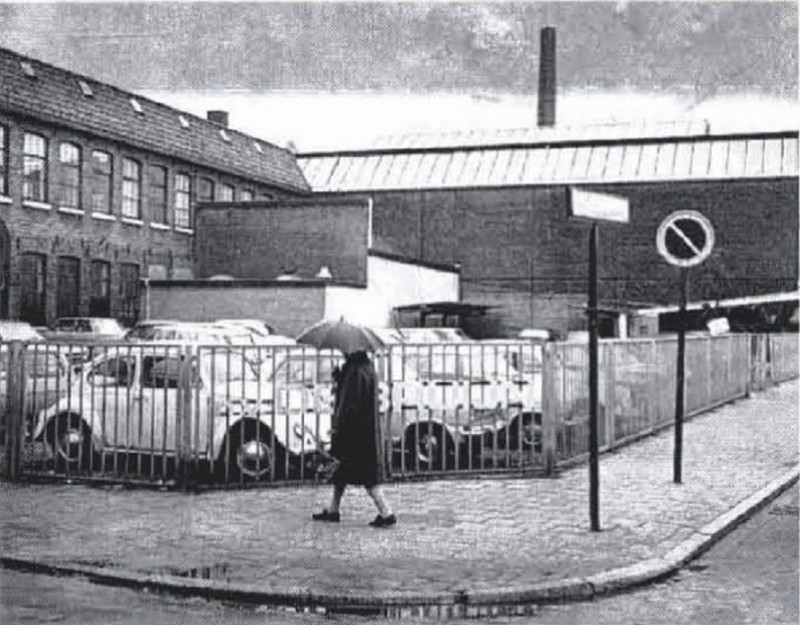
609, 362
549, 415
14, 411
184, 473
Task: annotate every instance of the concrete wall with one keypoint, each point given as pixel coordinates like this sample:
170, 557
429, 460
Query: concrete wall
287, 307
390, 283
263, 240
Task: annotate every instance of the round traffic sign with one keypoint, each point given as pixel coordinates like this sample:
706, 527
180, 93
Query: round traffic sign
685, 238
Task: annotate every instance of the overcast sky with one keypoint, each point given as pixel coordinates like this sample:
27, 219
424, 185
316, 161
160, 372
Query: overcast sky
479, 53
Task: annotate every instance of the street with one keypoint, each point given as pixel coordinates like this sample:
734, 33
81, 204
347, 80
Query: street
751, 576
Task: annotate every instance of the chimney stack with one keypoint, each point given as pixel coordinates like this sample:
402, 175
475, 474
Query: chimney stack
218, 117
547, 78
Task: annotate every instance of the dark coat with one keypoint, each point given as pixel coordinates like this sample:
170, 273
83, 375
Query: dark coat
357, 441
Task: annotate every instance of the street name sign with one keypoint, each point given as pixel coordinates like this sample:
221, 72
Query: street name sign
594, 206
685, 238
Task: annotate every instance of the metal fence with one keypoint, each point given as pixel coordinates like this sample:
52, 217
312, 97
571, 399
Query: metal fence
218, 415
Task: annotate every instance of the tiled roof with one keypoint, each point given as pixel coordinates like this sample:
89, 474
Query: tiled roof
562, 161
57, 96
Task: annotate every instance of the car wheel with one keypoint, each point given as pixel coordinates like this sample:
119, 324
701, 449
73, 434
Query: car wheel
253, 454
524, 432
428, 447
71, 442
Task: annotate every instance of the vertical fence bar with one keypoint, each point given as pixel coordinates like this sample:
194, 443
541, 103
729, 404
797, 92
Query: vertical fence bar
549, 416
14, 420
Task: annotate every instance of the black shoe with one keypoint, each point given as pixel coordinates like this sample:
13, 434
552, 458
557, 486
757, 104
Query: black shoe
332, 517
383, 521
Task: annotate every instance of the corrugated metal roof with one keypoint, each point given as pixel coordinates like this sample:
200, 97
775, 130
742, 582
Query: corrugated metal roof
641, 160
55, 95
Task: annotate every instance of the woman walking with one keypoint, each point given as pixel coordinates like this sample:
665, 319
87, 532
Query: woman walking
357, 441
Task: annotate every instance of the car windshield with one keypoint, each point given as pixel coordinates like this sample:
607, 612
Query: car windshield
298, 369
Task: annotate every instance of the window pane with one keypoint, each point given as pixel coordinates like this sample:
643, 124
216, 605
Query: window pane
182, 201
68, 287
129, 293
100, 303
34, 168
131, 188
101, 182
225, 193
33, 285
247, 195
3, 162
69, 183
158, 194
205, 190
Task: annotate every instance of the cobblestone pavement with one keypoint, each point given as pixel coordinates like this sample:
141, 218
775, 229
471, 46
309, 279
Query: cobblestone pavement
474, 535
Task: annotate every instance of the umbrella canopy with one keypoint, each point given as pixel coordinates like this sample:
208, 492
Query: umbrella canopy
346, 337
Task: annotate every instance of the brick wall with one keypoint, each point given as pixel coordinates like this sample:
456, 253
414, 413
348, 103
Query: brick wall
287, 308
57, 233
519, 239
264, 240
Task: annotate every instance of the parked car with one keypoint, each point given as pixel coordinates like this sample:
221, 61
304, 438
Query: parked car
253, 325
166, 331
47, 375
18, 331
76, 336
126, 401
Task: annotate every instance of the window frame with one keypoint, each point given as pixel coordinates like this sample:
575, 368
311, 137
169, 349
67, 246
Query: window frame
158, 195
207, 197
3, 159
40, 287
182, 196
224, 187
30, 158
131, 189
74, 168
102, 182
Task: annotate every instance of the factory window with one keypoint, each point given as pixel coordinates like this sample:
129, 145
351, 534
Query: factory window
225, 192
3, 160
100, 302
101, 182
34, 168
131, 188
183, 200
158, 194
246, 195
205, 190
69, 184
33, 287
68, 287
129, 293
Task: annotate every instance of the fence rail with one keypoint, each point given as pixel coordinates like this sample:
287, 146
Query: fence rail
212, 415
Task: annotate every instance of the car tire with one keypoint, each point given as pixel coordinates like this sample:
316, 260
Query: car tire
254, 454
424, 443
524, 432
71, 442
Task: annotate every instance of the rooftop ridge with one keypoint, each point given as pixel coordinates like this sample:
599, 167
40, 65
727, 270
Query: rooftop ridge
142, 98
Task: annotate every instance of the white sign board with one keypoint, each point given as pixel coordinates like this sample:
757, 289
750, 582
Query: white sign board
685, 238
596, 206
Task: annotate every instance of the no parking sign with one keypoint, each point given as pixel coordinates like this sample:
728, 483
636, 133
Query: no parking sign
685, 238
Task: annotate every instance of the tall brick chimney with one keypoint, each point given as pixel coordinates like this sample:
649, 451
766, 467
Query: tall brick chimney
218, 117
547, 77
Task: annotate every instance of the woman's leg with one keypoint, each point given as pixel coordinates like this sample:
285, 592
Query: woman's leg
336, 497
376, 493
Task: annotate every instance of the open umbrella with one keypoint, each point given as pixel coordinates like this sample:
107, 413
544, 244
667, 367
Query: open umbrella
346, 337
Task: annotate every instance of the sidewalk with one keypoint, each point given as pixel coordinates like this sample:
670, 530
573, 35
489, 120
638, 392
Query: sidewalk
459, 546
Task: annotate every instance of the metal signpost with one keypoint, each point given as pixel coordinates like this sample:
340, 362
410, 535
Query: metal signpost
684, 239
594, 207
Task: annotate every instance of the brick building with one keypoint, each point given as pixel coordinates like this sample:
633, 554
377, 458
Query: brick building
98, 188
496, 206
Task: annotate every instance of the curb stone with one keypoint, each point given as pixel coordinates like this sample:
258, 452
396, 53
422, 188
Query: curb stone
519, 601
